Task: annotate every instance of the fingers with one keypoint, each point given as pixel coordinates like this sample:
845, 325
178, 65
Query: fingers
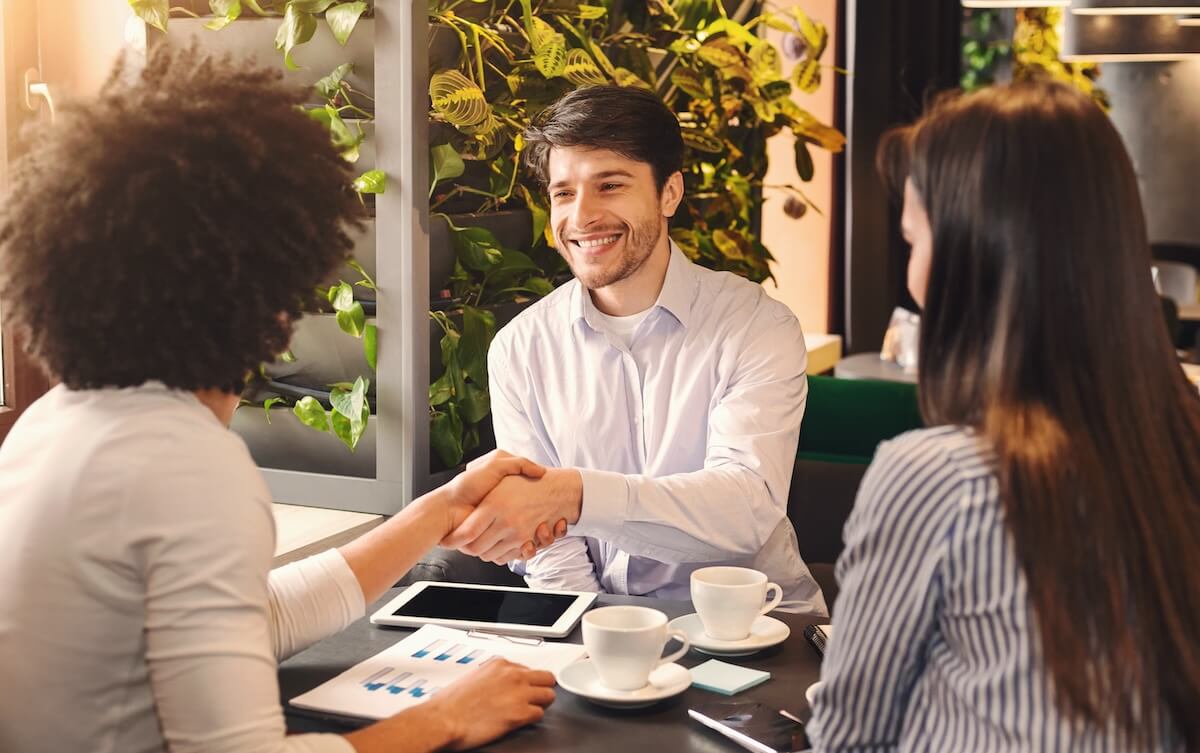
540, 677
560, 529
486, 541
543, 536
470, 530
500, 554
515, 466
528, 550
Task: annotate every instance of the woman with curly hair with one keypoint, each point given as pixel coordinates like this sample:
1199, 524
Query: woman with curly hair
156, 245
1022, 576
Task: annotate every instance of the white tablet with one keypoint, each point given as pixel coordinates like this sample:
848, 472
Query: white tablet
498, 609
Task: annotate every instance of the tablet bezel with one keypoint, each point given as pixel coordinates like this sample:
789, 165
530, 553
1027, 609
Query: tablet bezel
561, 628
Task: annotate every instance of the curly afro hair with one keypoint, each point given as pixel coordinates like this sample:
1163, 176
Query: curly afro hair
173, 228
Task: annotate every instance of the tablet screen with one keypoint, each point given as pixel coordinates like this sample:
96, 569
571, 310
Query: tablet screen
471, 605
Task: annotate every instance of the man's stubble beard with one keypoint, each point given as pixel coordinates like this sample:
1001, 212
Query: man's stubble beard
639, 247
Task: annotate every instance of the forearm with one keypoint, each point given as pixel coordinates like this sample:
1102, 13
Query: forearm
420, 729
718, 513
384, 554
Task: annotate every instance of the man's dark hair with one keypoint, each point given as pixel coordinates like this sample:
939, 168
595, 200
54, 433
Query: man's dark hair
631, 122
173, 228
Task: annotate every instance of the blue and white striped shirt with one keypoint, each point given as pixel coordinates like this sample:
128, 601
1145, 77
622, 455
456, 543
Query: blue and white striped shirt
936, 647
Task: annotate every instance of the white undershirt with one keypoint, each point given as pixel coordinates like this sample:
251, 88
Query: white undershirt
623, 327
137, 614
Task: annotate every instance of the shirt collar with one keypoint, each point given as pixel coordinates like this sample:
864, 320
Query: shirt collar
676, 297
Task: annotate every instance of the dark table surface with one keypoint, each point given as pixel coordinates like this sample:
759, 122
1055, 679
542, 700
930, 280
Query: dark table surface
574, 723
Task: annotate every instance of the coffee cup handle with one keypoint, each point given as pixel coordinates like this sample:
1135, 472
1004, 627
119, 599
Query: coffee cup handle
775, 601
682, 637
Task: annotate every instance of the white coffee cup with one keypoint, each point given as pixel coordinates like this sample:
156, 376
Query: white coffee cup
729, 599
626, 644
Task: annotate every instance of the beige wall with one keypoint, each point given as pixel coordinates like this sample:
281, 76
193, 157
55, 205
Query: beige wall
79, 41
801, 247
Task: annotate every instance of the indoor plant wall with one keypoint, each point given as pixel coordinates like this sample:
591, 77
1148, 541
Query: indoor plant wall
328, 386
497, 64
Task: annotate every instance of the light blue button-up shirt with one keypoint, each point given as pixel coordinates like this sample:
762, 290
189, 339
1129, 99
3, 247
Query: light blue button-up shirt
685, 440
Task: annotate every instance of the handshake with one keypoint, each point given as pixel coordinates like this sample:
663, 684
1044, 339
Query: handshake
505, 507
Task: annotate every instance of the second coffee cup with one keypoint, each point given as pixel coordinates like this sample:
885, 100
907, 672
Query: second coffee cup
626, 644
730, 599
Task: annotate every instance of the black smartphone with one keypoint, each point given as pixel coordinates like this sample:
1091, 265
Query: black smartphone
753, 725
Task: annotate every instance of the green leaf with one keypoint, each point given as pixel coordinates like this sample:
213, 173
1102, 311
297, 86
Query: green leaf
287, 356
226, 12
342, 18
441, 390
539, 286
371, 345
268, 403
470, 438
352, 406
475, 404
445, 436
297, 28
352, 321
372, 181
541, 219
329, 86
476, 247
254, 6
804, 162
479, 327
311, 414
446, 164
153, 12
341, 296
591, 12
311, 6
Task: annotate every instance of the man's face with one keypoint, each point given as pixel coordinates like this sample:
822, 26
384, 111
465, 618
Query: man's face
606, 212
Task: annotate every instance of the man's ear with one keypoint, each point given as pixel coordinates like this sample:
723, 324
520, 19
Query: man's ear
671, 194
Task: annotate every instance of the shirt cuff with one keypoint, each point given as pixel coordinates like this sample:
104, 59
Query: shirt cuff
605, 503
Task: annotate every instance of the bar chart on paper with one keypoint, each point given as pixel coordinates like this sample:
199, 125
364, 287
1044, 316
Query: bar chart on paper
417, 667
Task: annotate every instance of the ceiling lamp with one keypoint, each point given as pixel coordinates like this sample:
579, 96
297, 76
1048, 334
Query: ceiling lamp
1133, 7
1132, 38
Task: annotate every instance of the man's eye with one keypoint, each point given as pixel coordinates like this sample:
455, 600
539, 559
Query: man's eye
561, 194
610, 186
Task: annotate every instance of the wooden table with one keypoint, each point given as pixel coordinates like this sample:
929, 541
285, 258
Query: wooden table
572, 723
303, 531
1189, 312
823, 352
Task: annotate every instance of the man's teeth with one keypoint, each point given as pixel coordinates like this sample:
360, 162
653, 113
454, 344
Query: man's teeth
598, 242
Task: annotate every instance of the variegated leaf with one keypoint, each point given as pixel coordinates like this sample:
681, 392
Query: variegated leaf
702, 142
581, 70
690, 82
457, 99
807, 75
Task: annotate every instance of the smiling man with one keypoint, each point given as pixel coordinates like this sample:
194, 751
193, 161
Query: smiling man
666, 397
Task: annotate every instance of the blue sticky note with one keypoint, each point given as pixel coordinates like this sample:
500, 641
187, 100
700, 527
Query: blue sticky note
726, 679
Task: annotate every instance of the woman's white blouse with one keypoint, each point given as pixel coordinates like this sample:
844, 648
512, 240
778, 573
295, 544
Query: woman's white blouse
137, 607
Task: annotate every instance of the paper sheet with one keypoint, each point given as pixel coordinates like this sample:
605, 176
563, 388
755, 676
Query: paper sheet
417, 667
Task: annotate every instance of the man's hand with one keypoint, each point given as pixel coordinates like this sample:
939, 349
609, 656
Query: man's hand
514, 514
482, 475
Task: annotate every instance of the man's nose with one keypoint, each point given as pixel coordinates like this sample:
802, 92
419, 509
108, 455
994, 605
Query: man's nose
586, 210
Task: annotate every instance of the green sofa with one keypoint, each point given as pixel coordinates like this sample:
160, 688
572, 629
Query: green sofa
844, 421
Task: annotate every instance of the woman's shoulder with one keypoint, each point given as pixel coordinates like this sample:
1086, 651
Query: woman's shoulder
959, 447
932, 466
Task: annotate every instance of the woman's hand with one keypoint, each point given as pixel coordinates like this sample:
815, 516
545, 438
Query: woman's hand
495, 699
470, 487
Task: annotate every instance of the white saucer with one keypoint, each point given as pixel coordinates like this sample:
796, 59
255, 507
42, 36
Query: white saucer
666, 681
764, 633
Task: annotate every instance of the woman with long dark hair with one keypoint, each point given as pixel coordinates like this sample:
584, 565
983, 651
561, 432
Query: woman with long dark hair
1026, 575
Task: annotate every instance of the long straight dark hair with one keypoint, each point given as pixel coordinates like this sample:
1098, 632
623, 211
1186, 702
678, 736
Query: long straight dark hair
1042, 331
